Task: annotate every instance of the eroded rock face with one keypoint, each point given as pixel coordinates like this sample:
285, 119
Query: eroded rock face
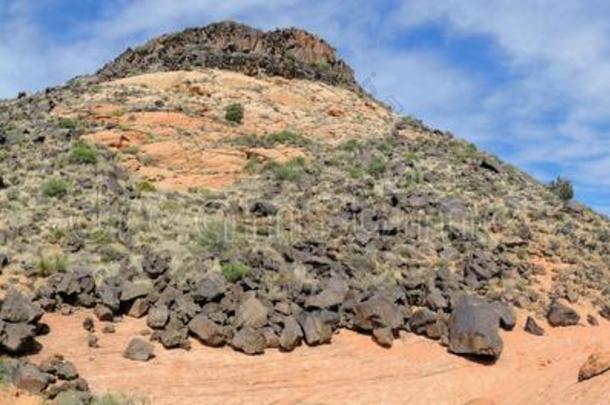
290, 53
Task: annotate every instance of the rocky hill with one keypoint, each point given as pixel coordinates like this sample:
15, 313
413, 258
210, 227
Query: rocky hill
238, 187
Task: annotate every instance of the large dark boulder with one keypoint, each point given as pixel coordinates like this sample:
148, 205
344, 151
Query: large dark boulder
560, 314
473, 328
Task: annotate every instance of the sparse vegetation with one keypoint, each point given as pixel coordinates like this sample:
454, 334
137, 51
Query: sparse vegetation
67, 123
562, 188
217, 236
55, 187
377, 167
48, 266
234, 272
145, 186
83, 154
234, 113
293, 170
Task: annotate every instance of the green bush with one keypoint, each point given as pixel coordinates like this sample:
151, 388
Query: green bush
293, 170
286, 137
234, 272
51, 265
562, 188
217, 236
234, 113
83, 154
67, 123
377, 167
55, 187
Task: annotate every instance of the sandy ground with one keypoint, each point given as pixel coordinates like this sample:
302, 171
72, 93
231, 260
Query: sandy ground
532, 370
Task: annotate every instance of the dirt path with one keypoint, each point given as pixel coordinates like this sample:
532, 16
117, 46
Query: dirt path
533, 370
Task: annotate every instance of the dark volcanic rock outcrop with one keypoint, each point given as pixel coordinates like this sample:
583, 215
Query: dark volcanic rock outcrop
290, 53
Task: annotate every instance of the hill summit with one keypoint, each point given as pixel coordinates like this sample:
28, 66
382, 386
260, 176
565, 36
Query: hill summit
237, 187
290, 53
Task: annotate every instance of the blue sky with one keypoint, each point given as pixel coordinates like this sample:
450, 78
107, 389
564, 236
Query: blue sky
528, 80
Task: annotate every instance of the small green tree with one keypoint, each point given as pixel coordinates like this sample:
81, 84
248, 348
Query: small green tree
234, 113
562, 188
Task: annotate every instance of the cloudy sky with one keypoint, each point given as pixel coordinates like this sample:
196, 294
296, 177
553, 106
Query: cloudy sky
528, 80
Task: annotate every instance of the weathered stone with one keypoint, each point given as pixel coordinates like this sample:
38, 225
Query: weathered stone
508, 320
17, 308
251, 312
155, 265
377, 312
420, 320
560, 314
207, 331
92, 341
473, 328
139, 308
249, 340
103, 313
272, 340
136, 289
18, 337
332, 295
291, 334
210, 288
29, 378
383, 336
139, 350
65, 370
158, 317
315, 329
89, 325
263, 209
597, 363
172, 338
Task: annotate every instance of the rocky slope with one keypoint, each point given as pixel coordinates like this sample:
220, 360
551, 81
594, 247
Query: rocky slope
238, 187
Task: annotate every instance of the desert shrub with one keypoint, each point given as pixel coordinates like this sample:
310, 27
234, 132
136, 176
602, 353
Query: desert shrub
562, 188
286, 137
217, 236
51, 265
351, 145
67, 123
55, 187
234, 113
377, 167
293, 170
145, 186
83, 154
234, 272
